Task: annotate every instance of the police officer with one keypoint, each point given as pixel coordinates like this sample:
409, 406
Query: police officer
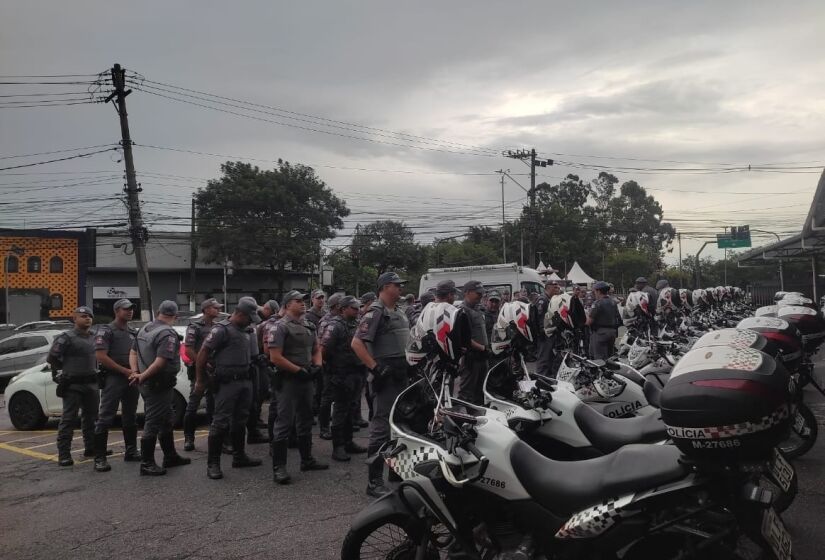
73, 362
603, 322
227, 350
294, 350
426, 297
315, 313
366, 301
491, 312
343, 369
155, 361
325, 402
196, 333
380, 343
445, 292
409, 307
544, 347
263, 336
112, 345
362, 391
474, 366
261, 390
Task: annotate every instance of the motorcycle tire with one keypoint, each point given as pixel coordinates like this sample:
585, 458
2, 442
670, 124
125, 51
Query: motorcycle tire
797, 444
665, 546
394, 537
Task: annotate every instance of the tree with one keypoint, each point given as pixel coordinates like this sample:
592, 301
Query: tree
274, 218
385, 245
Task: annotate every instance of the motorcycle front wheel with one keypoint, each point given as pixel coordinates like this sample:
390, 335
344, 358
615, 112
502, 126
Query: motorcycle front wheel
395, 537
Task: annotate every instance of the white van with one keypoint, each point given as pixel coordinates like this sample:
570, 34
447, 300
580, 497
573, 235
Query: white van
506, 278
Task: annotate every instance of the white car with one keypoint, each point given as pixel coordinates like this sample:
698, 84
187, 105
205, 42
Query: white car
32, 398
21, 351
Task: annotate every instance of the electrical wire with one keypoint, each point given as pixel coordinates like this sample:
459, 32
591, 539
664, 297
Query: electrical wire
58, 159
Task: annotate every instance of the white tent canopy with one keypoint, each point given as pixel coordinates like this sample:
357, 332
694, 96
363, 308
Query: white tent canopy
542, 269
553, 276
578, 276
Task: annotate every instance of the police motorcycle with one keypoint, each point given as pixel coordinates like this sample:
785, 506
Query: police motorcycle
472, 489
547, 413
614, 389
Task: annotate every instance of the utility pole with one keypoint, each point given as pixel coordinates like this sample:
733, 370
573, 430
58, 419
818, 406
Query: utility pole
679, 239
137, 231
503, 223
193, 257
726, 261
523, 156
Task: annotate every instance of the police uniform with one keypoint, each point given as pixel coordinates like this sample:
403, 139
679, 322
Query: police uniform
604, 315
491, 317
230, 348
264, 330
74, 350
474, 366
384, 332
116, 341
544, 347
158, 340
196, 333
294, 391
344, 371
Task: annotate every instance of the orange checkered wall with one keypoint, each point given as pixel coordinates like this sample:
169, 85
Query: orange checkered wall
64, 283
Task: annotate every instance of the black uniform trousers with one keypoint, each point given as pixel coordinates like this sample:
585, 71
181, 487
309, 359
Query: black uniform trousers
117, 391
233, 399
78, 397
294, 402
157, 410
602, 343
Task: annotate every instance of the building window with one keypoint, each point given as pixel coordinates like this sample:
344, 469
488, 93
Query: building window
12, 263
34, 264
56, 265
56, 301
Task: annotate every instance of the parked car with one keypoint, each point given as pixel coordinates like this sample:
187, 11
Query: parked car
47, 325
31, 395
23, 350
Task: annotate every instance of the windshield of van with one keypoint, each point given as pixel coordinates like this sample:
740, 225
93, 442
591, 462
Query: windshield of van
532, 287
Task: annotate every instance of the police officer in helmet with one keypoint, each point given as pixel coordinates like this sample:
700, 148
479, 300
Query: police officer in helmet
196, 333
474, 366
343, 370
295, 352
380, 343
226, 354
73, 362
112, 345
155, 361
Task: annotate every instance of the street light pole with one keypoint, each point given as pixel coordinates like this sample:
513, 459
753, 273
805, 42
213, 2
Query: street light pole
778, 239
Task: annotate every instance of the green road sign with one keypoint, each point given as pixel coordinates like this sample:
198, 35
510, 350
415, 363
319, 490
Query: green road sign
725, 241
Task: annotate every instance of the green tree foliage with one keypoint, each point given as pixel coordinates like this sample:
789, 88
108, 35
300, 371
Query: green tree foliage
274, 218
385, 245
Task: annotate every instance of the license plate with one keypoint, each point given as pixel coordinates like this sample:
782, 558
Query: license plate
777, 536
781, 471
799, 426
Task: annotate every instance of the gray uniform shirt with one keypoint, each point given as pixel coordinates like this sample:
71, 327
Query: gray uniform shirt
478, 326
116, 342
604, 314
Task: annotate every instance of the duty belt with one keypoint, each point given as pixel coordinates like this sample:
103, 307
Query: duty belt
81, 379
226, 377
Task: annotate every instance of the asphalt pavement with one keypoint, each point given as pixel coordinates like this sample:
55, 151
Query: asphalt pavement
47, 511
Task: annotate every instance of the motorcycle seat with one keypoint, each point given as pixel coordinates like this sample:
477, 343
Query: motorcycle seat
609, 434
567, 487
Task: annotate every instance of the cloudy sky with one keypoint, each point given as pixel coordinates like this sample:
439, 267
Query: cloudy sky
404, 108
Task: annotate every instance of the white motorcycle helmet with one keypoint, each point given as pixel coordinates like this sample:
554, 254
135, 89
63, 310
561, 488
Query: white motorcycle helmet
779, 295
685, 297
700, 296
441, 330
560, 305
514, 317
719, 293
637, 304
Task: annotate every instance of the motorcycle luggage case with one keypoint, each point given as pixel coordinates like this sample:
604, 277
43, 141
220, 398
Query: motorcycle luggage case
766, 311
724, 404
736, 338
782, 334
809, 322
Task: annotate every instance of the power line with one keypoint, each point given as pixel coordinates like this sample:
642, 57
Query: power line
59, 159
59, 151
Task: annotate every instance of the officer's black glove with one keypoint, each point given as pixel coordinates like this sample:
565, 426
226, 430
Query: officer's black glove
261, 360
314, 371
58, 376
377, 375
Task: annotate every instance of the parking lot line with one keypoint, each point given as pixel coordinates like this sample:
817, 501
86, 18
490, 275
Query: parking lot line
28, 453
31, 437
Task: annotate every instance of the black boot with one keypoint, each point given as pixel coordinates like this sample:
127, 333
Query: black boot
189, 422
349, 445
375, 479
132, 454
255, 436
308, 462
147, 455
213, 457
240, 459
339, 452
227, 448
100, 452
170, 456
279, 474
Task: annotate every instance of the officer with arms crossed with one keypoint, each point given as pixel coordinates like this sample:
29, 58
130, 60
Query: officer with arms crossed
155, 361
604, 322
343, 370
226, 359
474, 366
196, 333
380, 343
73, 352
295, 352
112, 345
